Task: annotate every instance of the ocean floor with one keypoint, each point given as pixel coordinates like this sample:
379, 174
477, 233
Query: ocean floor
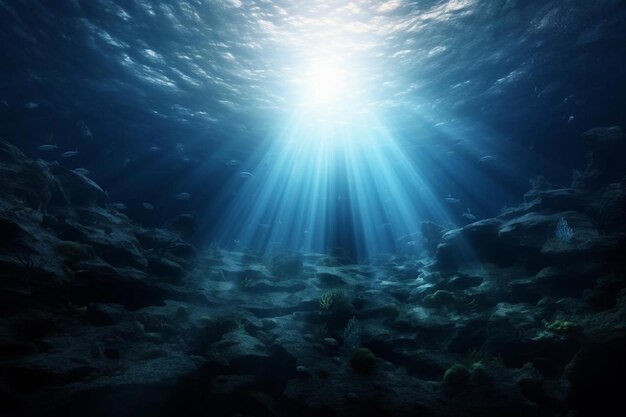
502, 317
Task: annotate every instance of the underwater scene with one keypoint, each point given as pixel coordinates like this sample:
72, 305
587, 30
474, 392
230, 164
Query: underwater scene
312, 208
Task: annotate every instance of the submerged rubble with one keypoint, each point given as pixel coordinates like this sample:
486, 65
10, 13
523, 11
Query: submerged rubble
501, 318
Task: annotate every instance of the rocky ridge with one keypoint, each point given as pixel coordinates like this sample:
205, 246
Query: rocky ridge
100, 316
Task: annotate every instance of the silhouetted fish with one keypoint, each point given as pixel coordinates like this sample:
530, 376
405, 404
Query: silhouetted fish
81, 171
69, 154
452, 200
468, 215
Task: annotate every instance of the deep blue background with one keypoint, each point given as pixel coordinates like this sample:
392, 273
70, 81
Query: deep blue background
555, 59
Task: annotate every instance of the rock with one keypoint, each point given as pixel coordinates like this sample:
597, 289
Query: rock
563, 281
97, 310
98, 283
184, 225
339, 256
330, 341
605, 148
387, 311
457, 376
213, 328
476, 240
362, 360
440, 298
353, 398
78, 189
479, 374
596, 375
74, 251
608, 207
432, 233
463, 282
329, 280
12, 233
544, 196
161, 242
604, 295
285, 264
166, 268
230, 384
104, 314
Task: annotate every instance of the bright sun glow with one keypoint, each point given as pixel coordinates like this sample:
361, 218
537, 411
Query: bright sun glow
327, 83
330, 93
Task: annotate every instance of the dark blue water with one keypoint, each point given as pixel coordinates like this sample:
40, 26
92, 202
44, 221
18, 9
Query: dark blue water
167, 97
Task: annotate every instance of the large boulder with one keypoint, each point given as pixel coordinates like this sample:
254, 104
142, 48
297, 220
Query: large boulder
605, 148
79, 190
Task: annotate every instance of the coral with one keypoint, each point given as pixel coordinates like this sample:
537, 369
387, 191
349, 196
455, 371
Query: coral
352, 334
564, 327
329, 298
563, 232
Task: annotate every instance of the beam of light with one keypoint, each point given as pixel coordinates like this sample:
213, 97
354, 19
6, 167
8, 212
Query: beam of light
323, 185
336, 175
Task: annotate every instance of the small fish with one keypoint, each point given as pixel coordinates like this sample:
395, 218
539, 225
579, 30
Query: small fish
154, 149
4, 105
31, 105
487, 158
82, 171
571, 119
452, 200
233, 162
183, 196
468, 215
118, 206
147, 206
46, 147
84, 130
69, 154
245, 174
